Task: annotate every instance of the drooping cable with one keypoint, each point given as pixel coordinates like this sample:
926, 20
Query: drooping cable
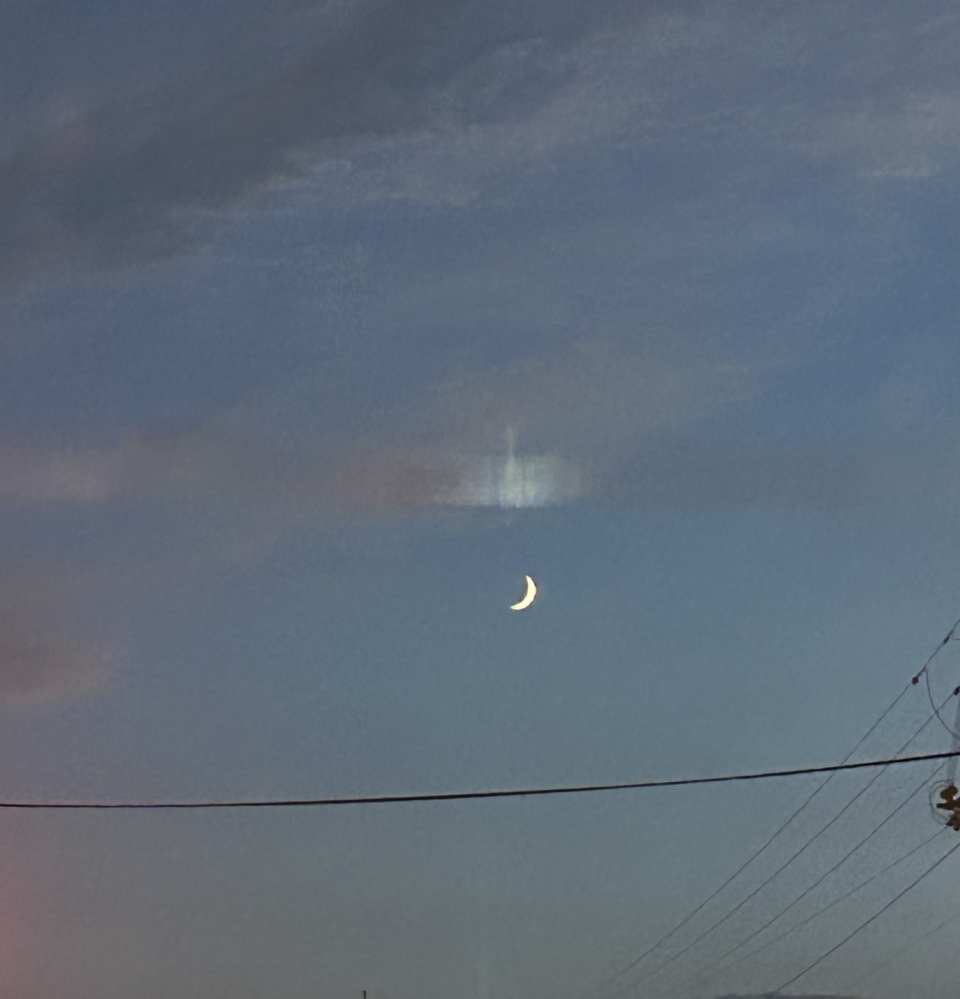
523, 792
900, 951
798, 853
840, 898
925, 673
637, 961
754, 856
896, 898
936, 710
823, 877
933, 655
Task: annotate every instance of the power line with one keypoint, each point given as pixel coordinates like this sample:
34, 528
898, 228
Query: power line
897, 954
933, 655
896, 898
840, 898
686, 919
936, 710
925, 673
756, 891
527, 792
823, 877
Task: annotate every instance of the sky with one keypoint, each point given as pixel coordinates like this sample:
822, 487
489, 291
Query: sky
325, 322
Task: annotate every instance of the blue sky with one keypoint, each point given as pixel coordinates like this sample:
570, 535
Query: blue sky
274, 278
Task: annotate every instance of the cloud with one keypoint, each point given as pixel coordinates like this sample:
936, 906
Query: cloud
597, 421
128, 184
216, 464
213, 498
595, 397
670, 469
684, 476
419, 101
910, 137
636, 422
43, 652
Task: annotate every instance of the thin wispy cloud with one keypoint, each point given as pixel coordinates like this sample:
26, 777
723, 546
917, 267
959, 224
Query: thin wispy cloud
649, 85
573, 411
596, 394
594, 422
417, 101
123, 186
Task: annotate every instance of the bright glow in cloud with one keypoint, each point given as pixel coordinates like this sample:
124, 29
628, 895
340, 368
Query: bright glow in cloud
511, 481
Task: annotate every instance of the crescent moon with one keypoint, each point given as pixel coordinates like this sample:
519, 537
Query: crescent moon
528, 597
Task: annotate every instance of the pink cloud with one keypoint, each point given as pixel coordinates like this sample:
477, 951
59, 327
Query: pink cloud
43, 653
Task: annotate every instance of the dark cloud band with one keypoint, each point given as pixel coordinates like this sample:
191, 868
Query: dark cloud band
120, 188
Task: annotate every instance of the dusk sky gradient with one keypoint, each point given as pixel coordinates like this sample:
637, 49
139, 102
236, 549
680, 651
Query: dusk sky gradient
277, 280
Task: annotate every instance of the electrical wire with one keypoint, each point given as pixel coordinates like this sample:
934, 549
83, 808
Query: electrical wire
840, 898
925, 672
526, 792
936, 710
756, 891
897, 954
686, 919
933, 655
767, 843
823, 877
896, 898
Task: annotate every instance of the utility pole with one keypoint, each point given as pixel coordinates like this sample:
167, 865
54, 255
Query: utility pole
952, 769
949, 799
